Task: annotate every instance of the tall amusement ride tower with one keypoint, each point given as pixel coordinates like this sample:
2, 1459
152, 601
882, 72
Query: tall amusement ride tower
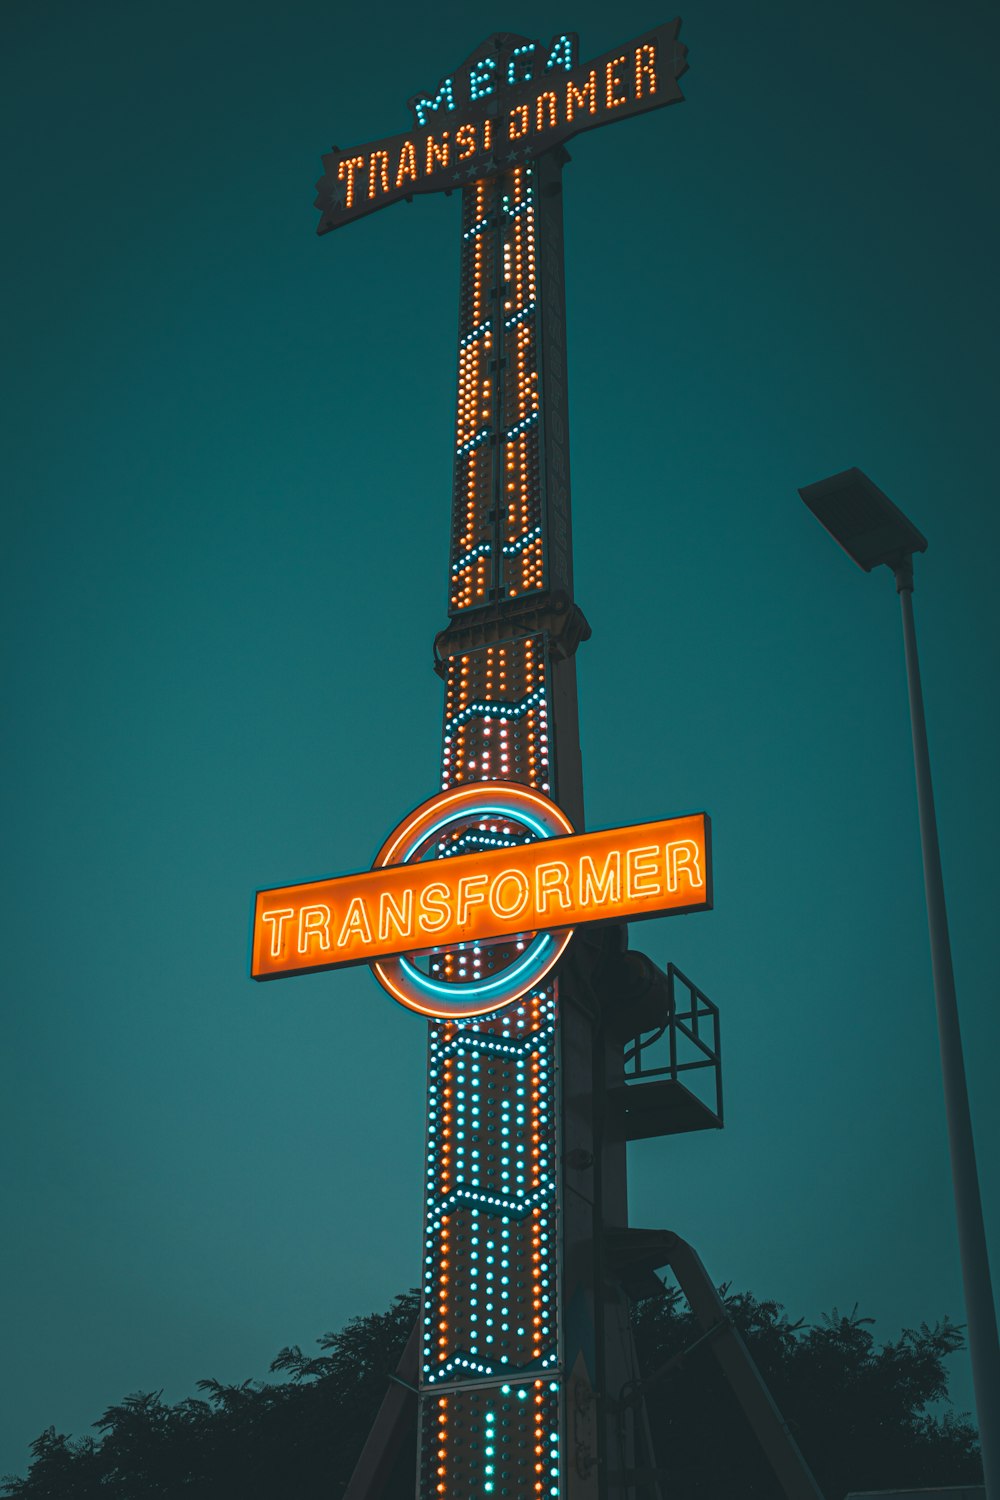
522, 1365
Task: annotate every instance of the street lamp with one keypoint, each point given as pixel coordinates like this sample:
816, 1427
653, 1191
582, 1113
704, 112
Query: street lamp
872, 530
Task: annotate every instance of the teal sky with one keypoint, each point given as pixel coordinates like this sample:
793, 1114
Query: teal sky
228, 481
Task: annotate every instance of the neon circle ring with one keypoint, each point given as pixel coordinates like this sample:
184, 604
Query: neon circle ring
444, 999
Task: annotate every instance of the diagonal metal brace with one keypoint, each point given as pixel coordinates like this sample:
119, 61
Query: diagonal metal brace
396, 1418
663, 1248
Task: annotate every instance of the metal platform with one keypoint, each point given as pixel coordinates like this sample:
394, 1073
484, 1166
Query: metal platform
662, 1106
679, 1036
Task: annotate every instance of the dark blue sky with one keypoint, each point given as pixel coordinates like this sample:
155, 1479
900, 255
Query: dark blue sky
228, 457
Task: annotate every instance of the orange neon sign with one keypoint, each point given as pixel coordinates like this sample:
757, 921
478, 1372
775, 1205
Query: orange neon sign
552, 885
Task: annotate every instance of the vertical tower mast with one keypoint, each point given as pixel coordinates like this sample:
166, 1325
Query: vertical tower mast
526, 1371
524, 1335
512, 1352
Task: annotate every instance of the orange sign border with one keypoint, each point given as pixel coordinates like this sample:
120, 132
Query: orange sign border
463, 867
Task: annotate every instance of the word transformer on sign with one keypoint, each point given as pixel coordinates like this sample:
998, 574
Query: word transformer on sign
554, 884
381, 913
511, 100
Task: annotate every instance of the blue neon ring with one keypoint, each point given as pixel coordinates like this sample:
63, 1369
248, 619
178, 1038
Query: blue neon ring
451, 999
443, 989
530, 820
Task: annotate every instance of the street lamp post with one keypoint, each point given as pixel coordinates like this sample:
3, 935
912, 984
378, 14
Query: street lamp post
871, 531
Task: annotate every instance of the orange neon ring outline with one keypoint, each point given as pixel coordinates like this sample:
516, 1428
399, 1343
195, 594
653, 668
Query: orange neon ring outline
454, 1001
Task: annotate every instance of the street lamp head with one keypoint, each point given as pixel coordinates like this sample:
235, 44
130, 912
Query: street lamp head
862, 520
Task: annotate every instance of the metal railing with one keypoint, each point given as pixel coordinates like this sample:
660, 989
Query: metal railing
692, 1038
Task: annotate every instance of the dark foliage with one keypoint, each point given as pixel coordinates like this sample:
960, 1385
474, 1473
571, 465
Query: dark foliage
858, 1410
255, 1441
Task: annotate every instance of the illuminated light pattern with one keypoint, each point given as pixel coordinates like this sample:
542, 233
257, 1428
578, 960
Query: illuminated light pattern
533, 107
505, 710
482, 436
522, 511
496, 728
473, 979
645, 70
613, 82
490, 1282
491, 1401
520, 889
522, 426
475, 333
512, 1184
516, 75
443, 99
481, 82
520, 316
501, 1443
478, 838
499, 510
490, 1286
496, 715
562, 54
490, 1295
463, 562
475, 453
522, 541
468, 991
491, 1339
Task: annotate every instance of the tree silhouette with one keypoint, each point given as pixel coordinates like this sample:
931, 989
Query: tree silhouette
858, 1411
